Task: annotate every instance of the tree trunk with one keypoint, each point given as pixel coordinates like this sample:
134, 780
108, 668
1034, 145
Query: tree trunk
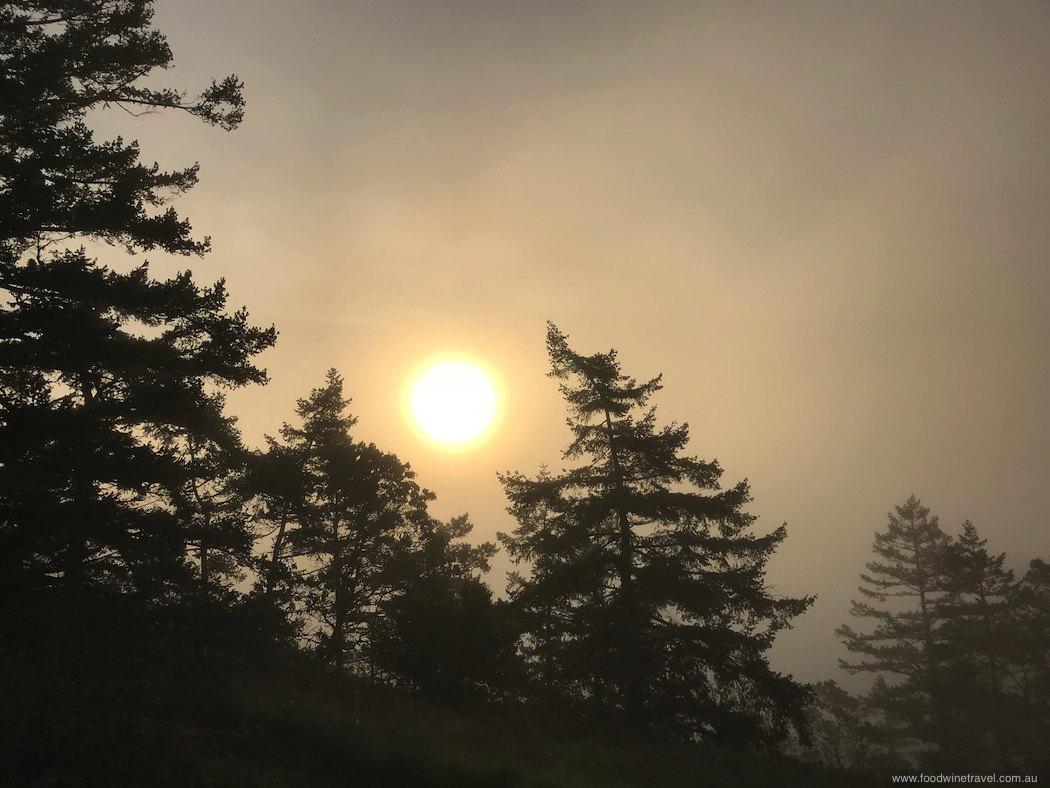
629, 625
338, 626
73, 565
278, 543
928, 648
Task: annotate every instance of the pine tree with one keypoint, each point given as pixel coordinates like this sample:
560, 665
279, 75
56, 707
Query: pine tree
103, 374
906, 642
444, 636
275, 481
1029, 656
547, 617
58, 60
647, 598
209, 502
978, 628
361, 528
841, 731
88, 464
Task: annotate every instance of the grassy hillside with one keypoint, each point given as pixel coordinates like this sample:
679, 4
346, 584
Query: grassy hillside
100, 694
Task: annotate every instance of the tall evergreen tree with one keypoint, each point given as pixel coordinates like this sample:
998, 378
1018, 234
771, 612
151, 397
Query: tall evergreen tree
978, 629
1029, 655
649, 593
364, 510
906, 642
209, 502
102, 373
360, 528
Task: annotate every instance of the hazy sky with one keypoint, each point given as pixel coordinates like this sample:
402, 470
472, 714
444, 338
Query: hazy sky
827, 225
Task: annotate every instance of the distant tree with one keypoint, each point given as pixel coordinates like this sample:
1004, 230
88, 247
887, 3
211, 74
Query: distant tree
1029, 656
962, 674
649, 595
103, 374
841, 730
906, 641
978, 628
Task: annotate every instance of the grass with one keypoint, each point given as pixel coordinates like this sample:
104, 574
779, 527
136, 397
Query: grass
103, 696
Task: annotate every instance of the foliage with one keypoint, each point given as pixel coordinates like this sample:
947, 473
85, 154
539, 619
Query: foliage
977, 628
850, 735
905, 642
961, 671
447, 640
210, 504
108, 399
646, 602
353, 534
1028, 650
60, 59
91, 408
202, 694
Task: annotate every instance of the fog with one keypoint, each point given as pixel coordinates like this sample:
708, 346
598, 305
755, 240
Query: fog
824, 223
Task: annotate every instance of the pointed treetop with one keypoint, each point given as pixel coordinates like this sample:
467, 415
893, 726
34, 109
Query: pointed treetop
322, 413
606, 390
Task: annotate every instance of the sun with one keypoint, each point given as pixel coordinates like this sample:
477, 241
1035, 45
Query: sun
454, 402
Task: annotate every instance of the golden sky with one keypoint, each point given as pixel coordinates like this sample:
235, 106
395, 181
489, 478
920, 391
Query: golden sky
827, 224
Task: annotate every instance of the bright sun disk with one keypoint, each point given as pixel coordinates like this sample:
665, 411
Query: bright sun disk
453, 402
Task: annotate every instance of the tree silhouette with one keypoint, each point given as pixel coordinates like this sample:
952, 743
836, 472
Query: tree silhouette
906, 642
209, 501
443, 636
840, 728
963, 665
103, 375
62, 58
1029, 655
275, 480
978, 627
360, 528
647, 598
90, 406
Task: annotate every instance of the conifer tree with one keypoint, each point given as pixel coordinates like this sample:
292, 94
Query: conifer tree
840, 730
89, 405
362, 513
1029, 655
905, 642
978, 629
550, 646
275, 481
58, 60
360, 526
103, 374
647, 592
209, 502
444, 636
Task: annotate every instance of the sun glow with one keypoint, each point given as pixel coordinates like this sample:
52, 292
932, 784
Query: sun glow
454, 402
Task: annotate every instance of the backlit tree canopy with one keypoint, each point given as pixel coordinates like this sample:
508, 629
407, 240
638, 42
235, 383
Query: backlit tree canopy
647, 598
